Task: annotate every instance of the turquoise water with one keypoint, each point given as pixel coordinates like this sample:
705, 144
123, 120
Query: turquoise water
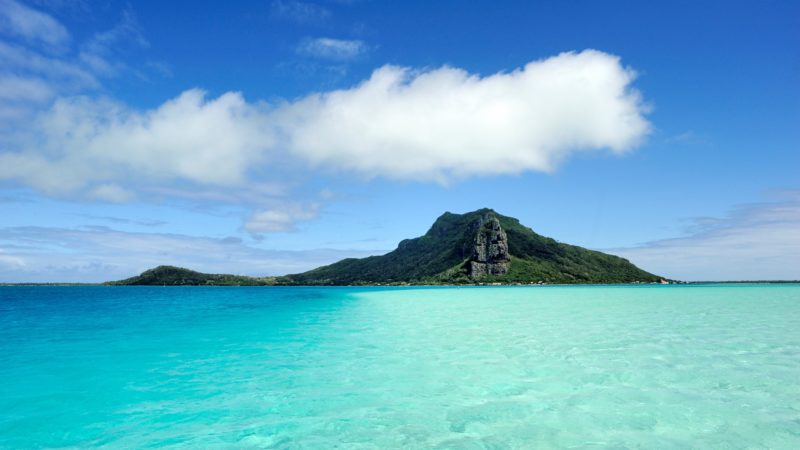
714, 366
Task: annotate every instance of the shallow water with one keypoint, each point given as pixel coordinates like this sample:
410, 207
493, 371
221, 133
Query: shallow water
709, 366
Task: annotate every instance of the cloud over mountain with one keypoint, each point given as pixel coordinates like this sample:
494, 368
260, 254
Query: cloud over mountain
445, 123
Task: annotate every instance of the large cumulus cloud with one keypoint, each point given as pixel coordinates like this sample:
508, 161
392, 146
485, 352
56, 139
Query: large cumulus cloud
433, 125
444, 123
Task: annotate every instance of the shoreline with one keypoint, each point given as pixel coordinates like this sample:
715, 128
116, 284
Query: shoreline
410, 285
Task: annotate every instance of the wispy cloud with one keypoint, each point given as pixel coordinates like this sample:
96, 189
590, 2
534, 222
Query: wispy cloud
62, 75
332, 49
110, 192
32, 74
758, 241
99, 52
301, 12
34, 26
253, 193
29, 254
13, 88
125, 221
281, 219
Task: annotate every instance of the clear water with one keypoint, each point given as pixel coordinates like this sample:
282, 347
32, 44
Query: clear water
535, 367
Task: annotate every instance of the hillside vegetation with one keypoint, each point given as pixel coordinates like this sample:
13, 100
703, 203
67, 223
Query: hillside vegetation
178, 276
477, 247
442, 254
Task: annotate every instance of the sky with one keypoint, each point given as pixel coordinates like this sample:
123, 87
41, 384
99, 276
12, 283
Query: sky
266, 138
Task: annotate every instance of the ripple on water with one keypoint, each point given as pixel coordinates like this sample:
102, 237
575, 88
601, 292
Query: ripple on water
558, 367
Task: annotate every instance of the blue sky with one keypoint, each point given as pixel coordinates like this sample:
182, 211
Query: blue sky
271, 138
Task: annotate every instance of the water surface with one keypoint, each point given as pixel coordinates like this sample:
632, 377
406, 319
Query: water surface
710, 366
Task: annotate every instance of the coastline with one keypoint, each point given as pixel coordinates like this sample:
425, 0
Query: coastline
410, 285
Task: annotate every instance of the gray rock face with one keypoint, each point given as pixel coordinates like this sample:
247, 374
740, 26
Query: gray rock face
490, 253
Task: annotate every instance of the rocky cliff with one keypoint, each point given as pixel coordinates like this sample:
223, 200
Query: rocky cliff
476, 247
480, 246
490, 254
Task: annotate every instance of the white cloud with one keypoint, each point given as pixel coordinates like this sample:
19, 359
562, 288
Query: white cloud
446, 123
11, 262
30, 24
111, 193
334, 49
41, 254
32, 76
16, 88
434, 125
98, 51
81, 141
65, 73
280, 219
11, 113
253, 193
756, 242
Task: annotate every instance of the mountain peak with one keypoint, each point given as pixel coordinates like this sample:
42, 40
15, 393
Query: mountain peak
479, 246
448, 222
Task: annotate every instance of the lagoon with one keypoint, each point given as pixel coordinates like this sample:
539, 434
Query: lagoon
704, 366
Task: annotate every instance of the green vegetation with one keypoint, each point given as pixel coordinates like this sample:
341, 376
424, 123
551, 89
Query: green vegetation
178, 276
441, 256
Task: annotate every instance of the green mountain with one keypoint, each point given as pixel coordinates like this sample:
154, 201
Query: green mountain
178, 276
480, 246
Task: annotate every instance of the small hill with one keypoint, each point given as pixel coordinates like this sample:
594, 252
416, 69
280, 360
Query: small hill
178, 276
480, 246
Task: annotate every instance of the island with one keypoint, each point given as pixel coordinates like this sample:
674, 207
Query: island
479, 247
